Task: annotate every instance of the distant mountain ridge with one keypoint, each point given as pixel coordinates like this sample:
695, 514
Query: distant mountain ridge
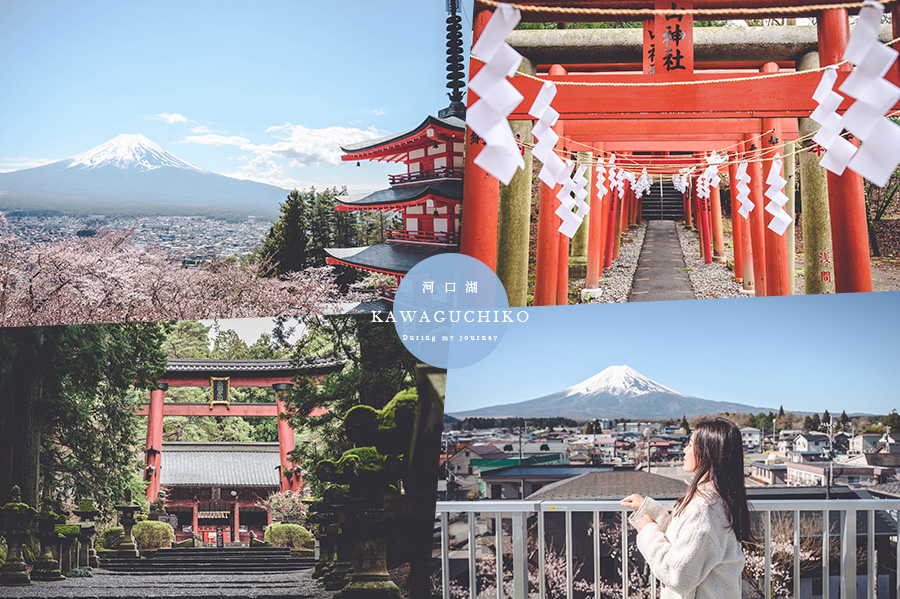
130, 174
615, 392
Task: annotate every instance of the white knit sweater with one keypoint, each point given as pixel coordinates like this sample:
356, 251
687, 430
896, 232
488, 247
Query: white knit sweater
694, 554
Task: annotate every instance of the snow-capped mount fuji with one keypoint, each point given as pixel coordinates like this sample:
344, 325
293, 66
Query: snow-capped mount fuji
130, 174
616, 392
622, 381
130, 151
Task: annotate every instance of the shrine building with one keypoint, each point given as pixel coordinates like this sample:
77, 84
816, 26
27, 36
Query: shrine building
428, 194
219, 484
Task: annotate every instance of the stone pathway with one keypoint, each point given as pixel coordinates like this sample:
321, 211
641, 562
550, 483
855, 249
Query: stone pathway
661, 273
297, 585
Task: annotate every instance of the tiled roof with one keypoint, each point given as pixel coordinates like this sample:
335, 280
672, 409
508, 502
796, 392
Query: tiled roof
198, 365
220, 464
391, 257
449, 122
448, 190
611, 485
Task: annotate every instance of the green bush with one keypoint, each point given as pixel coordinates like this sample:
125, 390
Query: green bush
288, 535
151, 534
111, 537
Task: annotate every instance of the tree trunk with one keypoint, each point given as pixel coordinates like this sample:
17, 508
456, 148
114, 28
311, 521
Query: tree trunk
873, 239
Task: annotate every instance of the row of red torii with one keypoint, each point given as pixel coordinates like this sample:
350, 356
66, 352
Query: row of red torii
219, 375
750, 118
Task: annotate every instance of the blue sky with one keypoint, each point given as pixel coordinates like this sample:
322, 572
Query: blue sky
263, 91
807, 353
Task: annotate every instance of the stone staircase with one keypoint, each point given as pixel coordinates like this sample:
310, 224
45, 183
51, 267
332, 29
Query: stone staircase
205, 560
665, 205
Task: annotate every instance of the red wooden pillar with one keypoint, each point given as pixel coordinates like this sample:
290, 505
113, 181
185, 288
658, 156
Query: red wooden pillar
757, 220
153, 449
195, 519
596, 239
236, 534
547, 264
562, 272
620, 216
718, 233
286, 442
736, 219
846, 200
705, 239
481, 192
688, 212
611, 225
778, 270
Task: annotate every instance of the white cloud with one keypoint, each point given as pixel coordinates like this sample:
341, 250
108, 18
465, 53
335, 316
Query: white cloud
375, 111
173, 118
200, 129
214, 139
308, 147
15, 164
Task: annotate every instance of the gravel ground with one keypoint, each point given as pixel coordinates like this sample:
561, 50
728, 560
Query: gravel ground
198, 586
885, 275
707, 280
618, 278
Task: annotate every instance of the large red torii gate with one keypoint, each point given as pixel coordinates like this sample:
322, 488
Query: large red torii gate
616, 119
276, 373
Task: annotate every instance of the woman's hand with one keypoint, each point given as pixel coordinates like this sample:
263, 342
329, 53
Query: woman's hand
644, 521
633, 501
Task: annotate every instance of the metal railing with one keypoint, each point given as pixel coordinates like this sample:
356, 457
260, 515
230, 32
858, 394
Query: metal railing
444, 172
522, 527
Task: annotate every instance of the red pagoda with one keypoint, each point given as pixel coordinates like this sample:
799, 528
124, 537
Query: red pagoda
428, 194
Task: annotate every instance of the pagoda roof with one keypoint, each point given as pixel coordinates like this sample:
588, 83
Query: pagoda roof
395, 148
394, 198
220, 464
391, 258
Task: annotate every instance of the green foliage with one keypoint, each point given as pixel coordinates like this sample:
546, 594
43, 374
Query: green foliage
82, 413
111, 537
308, 224
893, 420
762, 421
79, 573
288, 535
86, 505
151, 534
378, 366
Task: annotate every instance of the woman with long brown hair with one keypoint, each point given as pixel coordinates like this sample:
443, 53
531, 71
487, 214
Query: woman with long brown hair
695, 551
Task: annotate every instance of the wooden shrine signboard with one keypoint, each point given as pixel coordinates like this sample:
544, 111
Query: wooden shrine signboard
669, 41
219, 392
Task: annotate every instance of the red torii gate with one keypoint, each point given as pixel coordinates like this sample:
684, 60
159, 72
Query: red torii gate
730, 105
277, 373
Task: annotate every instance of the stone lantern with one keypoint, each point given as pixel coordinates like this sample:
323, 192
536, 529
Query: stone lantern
47, 568
87, 512
16, 516
127, 511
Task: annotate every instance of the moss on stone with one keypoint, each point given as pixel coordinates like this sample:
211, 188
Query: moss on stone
67, 529
18, 508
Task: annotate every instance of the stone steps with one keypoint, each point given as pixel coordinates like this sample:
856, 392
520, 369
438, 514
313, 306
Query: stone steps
669, 207
208, 560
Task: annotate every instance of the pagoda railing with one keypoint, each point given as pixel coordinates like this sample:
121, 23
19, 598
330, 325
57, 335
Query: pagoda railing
386, 293
528, 547
444, 172
429, 237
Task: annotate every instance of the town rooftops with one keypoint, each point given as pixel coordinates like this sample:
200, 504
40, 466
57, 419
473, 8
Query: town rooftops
391, 258
220, 464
